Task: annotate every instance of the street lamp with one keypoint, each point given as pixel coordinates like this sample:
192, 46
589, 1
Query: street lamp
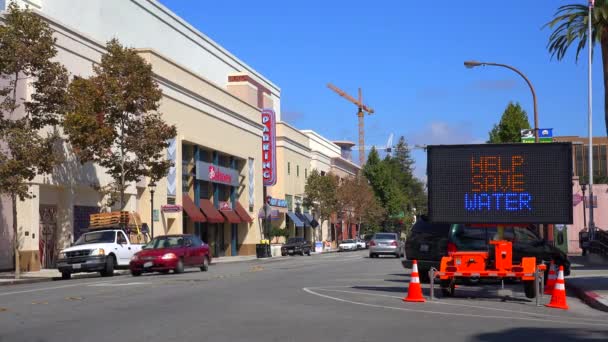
152, 187
473, 64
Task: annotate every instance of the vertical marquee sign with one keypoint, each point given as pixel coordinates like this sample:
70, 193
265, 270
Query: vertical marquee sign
269, 148
500, 183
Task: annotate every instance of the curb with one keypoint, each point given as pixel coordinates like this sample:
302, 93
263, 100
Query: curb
8, 282
590, 298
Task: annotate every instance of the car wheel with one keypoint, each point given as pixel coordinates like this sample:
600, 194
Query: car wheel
205, 266
283, 254
180, 267
308, 252
109, 268
397, 255
136, 273
372, 255
66, 275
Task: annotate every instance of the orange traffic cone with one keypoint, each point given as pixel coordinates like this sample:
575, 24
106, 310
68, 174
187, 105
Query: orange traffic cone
558, 298
414, 292
551, 279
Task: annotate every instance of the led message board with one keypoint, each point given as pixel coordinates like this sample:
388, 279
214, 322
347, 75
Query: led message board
500, 183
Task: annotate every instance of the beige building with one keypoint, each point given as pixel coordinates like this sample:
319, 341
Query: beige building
212, 97
293, 167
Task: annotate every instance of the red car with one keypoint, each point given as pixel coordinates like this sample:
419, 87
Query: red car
171, 252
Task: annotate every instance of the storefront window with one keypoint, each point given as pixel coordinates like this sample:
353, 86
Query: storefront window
289, 200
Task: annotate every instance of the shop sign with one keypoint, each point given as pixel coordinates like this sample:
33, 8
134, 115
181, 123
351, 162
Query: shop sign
225, 205
276, 202
171, 208
216, 174
269, 161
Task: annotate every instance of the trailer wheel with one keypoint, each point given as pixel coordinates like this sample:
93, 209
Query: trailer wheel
529, 288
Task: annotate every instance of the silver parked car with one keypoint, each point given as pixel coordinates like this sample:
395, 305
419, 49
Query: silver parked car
385, 244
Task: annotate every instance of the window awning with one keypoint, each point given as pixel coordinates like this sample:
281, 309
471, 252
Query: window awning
231, 216
193, 212
296, 220
311, 220
243, 213
303, 219
213, 215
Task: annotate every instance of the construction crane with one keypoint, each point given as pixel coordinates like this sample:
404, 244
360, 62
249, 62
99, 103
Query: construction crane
388, 147
361, 108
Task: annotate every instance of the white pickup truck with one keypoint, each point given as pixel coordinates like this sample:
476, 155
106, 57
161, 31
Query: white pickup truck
97, 251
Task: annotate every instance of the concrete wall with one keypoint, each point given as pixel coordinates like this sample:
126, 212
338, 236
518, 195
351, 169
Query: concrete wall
149, 24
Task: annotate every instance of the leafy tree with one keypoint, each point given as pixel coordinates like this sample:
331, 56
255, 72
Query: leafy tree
321, 194
383, 178
570, 25
508, 130
26, 50
113, 119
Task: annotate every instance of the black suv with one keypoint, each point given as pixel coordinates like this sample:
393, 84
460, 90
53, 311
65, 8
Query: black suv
428, 243
296, 245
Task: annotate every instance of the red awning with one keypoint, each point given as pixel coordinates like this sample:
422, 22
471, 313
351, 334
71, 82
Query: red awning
213, 215
191, 210
243, 213
231, 216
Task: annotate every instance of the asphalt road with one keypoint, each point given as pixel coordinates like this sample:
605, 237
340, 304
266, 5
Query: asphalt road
331, 297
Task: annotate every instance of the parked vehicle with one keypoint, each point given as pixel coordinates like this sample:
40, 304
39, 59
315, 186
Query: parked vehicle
347, 245
171, 253
385, 244
97, 251
361, 244
296, 245
427, 243
367, 238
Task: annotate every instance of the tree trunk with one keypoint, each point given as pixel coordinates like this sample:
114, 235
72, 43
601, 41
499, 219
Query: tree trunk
16, 238
604, 48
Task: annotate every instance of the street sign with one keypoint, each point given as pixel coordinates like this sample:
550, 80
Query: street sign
545, 135
500, 183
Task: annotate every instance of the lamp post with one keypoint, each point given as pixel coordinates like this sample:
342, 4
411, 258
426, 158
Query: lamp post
590, 123
152, 187
473, 64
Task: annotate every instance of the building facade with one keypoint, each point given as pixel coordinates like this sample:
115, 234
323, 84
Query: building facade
293, 168
212, 97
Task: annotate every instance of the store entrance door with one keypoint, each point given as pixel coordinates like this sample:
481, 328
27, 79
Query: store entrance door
47, 235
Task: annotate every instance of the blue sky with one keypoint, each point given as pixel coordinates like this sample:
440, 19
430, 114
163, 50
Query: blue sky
408, 58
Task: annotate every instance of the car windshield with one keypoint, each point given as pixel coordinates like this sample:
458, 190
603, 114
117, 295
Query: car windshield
348, 241
385, 237
294, 240
165, 242
96, 237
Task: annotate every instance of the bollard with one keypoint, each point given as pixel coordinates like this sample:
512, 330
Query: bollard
432, 282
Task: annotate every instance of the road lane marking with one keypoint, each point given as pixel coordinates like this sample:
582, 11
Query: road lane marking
458, 304
531, 319
43, 303
3, 309
112, 284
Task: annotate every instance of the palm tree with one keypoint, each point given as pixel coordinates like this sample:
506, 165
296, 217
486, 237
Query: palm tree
570, 24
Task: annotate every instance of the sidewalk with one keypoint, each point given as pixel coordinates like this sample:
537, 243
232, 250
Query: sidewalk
589, 281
